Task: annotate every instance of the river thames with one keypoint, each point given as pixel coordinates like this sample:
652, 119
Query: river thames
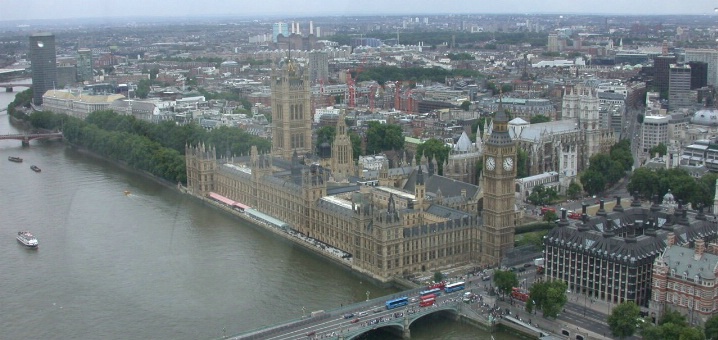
154, 264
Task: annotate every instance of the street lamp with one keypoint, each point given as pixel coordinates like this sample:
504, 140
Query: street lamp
367, 295
304, 312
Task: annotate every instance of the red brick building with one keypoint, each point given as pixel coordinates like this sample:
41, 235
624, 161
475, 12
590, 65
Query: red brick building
684, 280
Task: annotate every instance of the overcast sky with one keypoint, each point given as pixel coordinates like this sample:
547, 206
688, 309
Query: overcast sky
75, 9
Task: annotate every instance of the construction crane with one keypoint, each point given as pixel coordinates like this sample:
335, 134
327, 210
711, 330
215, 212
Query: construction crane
351, 87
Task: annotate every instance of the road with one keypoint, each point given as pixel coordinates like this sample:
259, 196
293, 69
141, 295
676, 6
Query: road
362, 316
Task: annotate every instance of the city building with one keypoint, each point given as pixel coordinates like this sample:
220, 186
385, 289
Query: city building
279, 28
318, 62
661, 66
679, 87
610, 256
684, 280
654, 132
708, 56
699, 74
84, 65
43, 61
79, 104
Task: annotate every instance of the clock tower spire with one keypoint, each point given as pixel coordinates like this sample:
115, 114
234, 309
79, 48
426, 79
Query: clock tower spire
499, 199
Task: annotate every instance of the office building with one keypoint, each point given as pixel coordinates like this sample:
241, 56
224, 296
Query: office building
699, 74
661, 66
610, 256
710, 57
279, 28
43, 62
84, 65
318, 66
679, 87
655, 131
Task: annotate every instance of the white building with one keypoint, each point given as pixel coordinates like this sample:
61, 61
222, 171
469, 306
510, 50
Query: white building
77, 105
655, 131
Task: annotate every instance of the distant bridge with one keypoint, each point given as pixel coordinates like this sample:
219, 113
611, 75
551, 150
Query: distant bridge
26, 138
9, 87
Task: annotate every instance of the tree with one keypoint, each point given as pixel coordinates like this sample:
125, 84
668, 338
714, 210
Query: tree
438, 276
592, 182
465, 105
539, 119
505, 281
143, 89
382, 137
622, 320
434, 149
574, 190
659, 149
711, 328
639, 118
522, 168
356, 144
541, 195
326, 134
550, 216
549, 297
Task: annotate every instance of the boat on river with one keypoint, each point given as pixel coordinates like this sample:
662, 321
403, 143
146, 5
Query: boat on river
27, 239
35, 168
15, 159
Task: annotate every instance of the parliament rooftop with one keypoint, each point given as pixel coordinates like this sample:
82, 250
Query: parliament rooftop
610, 256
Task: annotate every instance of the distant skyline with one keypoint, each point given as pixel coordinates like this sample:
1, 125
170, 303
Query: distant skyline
26, 10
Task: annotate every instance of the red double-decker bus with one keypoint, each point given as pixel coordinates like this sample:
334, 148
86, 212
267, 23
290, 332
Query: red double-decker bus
427, 300
438, 285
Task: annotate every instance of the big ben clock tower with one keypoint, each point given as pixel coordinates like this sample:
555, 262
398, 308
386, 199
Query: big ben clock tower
499, 200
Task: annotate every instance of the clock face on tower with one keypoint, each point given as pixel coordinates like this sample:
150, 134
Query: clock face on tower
490, 163
508, 163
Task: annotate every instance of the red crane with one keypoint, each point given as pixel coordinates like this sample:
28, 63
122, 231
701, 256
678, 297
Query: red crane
351, 87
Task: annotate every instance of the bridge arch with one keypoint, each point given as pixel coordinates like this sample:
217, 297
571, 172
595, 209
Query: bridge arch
449, 311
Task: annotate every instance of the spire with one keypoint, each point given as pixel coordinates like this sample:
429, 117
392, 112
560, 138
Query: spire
420, 177
501, 114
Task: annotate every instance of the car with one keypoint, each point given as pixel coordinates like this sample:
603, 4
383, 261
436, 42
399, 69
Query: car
362, 314
378, 310
486, 278
311, 333
348, 315
414, 299
526, 265
355, 320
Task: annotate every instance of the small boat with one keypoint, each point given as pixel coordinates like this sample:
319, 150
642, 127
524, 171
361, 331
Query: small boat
35, 168
15, 159
27, 238
127, 193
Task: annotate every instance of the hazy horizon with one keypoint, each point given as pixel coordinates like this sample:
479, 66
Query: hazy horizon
32, 10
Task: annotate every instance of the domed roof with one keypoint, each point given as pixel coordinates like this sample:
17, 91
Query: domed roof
707, 116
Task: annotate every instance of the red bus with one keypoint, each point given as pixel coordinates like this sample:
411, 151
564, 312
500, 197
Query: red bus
518, 294
427, 300
544, 210
439, 285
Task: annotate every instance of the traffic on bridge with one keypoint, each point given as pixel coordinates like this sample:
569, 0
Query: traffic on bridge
395, 313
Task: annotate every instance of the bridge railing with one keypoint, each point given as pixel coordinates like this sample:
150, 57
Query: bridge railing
273, 330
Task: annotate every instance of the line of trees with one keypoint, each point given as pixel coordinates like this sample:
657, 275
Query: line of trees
624, 321
647, 183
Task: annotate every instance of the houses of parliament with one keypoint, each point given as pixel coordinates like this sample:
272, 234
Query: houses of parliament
413, 221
